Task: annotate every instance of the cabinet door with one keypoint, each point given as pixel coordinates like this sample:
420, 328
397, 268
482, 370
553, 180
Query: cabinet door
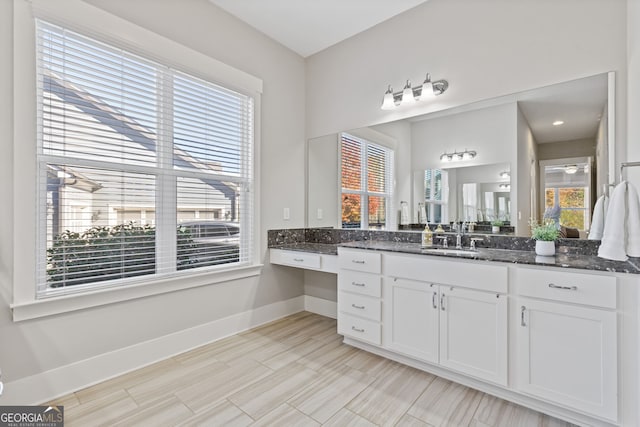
567, 355
473, 333
410, 322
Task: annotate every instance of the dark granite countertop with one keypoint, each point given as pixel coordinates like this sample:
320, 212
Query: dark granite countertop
570, 253
584, 262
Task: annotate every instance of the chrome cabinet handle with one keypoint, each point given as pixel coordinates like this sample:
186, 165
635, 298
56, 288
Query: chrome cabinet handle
566, 288
357, 284
359, 307
355, 261
522, 310
298, 259
442, 302
434, 300
353, 328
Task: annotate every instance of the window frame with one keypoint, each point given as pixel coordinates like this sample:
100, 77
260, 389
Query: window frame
91, 21
364, 192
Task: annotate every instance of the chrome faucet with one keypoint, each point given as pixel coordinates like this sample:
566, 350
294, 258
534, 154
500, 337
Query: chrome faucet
473, 242
445, 243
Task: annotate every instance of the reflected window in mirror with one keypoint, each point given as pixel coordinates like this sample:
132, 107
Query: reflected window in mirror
567, 196
366, 170
435, 183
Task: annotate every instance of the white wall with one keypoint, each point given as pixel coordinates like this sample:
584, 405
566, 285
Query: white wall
633, 59
32, 347
483, 48
527, 189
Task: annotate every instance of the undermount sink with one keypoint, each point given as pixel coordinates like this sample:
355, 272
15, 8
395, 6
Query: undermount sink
448, 251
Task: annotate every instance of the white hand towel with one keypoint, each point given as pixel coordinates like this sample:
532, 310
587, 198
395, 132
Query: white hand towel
597, 222
613, 235
633, 221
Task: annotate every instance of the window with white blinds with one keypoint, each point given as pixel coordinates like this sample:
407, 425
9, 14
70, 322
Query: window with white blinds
143, 170
366, 173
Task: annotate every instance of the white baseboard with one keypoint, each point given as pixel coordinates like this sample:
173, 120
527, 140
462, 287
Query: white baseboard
321, 306
49, 385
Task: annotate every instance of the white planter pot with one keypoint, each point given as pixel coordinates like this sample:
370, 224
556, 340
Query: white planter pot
495, 229
545, 248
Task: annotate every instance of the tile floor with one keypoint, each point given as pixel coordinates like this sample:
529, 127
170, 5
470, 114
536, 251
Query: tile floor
292, 372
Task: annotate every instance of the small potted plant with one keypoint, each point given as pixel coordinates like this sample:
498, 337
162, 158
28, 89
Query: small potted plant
495, 225
545, 236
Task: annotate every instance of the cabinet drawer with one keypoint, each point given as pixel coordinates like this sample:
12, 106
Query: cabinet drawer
359, 260
362, 329
360, 305
440, 270
360, 283
295, 258
589, 289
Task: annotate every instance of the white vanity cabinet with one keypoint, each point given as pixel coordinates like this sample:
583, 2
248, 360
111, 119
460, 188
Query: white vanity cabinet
567, 339
359, 295
455, 315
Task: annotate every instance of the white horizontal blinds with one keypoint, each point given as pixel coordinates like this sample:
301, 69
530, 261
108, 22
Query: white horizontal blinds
351, 159
209, 127
98, 102
366, 173
212, 140
129, 150
99, 225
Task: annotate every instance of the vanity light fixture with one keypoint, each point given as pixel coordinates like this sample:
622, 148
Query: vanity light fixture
505, 174
409, 95
457, 156
504, 186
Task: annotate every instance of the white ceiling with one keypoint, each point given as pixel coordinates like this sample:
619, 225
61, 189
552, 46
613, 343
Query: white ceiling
309, 26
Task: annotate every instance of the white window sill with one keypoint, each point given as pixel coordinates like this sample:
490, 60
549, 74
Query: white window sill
66, 303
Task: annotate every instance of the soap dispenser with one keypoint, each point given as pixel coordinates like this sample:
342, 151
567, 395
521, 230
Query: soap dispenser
427, 237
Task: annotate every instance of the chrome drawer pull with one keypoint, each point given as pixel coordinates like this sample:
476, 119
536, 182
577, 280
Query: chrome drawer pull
353, 328
359, 307
355, 261
522, 310
434, 300
357, 284
298, 259
442, 302
567, 288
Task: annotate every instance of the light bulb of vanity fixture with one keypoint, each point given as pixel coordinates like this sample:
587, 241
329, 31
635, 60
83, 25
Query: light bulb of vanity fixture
445, 157
388, 103
407, 94
468, 155
505, 174
427, 89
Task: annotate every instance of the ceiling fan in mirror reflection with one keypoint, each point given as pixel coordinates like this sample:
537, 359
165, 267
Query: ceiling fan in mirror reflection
408, 96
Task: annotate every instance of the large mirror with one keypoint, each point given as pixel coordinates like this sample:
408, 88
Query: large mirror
484, 161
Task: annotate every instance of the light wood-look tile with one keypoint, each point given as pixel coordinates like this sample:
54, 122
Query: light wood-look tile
168, 411
327, 395
212, 388
292, 372
409, 421
105, 410
446, 403
496, 412
390, 396
224, 413
261, 397
285, 415
346, 418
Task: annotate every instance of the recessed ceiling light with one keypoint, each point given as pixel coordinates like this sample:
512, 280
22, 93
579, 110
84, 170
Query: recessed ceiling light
558, 123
